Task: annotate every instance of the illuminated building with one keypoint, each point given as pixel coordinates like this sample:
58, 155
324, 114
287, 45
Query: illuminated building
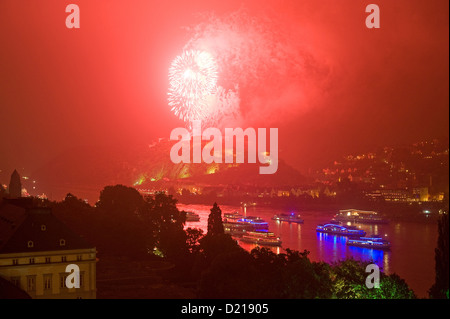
283, 193
35, 249
395, 195
420, 194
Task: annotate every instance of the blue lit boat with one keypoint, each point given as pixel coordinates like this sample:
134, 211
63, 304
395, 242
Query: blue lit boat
253, 223
291, 218
372, 242
335, 229
261, 237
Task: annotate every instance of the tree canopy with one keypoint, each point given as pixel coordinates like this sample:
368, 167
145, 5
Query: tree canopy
440, 289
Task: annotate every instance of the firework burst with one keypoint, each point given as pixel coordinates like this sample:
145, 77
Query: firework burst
192, 81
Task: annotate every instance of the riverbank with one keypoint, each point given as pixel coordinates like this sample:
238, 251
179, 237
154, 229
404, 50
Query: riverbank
424, 212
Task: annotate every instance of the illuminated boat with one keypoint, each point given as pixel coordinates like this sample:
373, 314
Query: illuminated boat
253, 223
231, 218
192, 217
335, 229
261, 237
234, 230
232, 226
236, 224
359, 216
372, 242
291, 218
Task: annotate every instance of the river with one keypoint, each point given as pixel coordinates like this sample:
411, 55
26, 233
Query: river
411, 255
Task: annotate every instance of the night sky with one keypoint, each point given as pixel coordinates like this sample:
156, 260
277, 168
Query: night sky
310, 68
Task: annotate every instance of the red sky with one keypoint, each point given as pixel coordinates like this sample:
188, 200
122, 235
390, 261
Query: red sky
106, 83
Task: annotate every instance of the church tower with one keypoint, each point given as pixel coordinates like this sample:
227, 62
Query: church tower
15, 186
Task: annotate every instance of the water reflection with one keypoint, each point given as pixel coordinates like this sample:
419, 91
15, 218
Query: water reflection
333, 248
379, 257
386, 263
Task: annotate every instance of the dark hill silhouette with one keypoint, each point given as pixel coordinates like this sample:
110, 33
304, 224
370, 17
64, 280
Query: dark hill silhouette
84, 171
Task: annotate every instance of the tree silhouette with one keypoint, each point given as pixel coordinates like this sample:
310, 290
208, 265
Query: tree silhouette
264, 274
230, 275
122, 230
216, 242
120, 200
167, 222
440, 289
72, 203
192, 240
215, 224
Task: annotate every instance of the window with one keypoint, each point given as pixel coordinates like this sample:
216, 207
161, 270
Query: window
43, 227
31, 283
47, 282
47, 260
63, 259
62, 280
62, 242
15, 281
30, 244
79, 257
31, 260
81, 279
15, 261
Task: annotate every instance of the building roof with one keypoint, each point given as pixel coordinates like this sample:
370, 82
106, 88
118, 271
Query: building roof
33, 229
9, 291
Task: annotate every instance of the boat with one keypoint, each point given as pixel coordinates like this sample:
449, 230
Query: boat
372, 242
236, 224
359, 216
261, 237
192, 217
253, 223
232, 226
231, 218
336, 229
291, 218
235, 230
